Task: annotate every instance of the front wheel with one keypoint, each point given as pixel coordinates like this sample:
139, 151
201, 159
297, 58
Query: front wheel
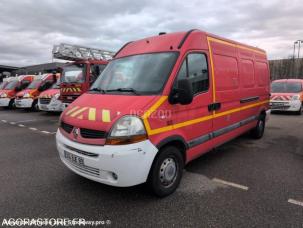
300, 110
35, 106
12, 104
166, 172
258, 131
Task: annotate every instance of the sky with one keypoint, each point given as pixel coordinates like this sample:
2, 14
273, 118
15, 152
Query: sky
30, 28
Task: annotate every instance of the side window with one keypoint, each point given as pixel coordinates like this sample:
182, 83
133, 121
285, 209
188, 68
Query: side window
195, 69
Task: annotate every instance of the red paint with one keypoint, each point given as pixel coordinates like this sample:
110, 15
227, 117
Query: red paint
240, 72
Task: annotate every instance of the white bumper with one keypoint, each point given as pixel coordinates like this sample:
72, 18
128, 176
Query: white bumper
285, 105
24, 103
53, 106
130, 163
4, 102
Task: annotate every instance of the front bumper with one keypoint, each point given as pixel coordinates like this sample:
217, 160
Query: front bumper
53, 106
24, 103
4, 102
285, 105
130, 163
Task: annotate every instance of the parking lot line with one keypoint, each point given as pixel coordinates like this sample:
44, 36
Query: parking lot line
296, 202
12, 123
21, 125
25, 121
33, 129
242, 187
45, 132
4, 121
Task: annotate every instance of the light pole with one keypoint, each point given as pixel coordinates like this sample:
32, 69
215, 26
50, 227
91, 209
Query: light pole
299, 41
296, 42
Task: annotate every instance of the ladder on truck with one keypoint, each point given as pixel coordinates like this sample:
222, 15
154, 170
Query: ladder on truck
75, 52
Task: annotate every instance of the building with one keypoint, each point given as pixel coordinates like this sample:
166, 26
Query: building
39, 69
6, 71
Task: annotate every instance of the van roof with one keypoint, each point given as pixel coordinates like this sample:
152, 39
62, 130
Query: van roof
175, 42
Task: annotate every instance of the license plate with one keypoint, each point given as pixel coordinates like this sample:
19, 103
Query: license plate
74, 159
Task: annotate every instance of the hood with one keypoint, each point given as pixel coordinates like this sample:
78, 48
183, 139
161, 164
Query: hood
100, 111
282, 96
33, 92
49, 93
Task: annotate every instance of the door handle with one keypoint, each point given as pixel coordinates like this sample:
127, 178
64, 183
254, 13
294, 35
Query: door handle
214, 106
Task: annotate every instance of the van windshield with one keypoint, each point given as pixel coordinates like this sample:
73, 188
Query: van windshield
35, 84
2, 85
11, 85
138, 74
74, 73
286, 87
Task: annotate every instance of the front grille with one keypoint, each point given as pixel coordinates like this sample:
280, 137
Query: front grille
66, 127
69, 98
92, 134
81, 151
86, 169
45, 101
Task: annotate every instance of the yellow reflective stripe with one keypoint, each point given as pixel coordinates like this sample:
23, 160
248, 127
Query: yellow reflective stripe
80, 117
92, 114
235, 45
151, 110
79, 90
78, 111
75, 89
71, 110
105, 115
198, 120
212, 69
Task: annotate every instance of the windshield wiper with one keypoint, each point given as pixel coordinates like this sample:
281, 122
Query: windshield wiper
97, 90
124, 90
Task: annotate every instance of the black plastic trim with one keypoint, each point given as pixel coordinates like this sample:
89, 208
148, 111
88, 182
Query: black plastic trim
185, 37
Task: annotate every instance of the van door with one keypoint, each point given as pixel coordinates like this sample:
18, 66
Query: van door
195, 119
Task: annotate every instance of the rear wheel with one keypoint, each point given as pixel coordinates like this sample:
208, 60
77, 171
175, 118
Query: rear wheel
166, 172
258, 131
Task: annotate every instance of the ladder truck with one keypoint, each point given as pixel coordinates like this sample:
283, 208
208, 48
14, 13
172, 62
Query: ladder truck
77, 76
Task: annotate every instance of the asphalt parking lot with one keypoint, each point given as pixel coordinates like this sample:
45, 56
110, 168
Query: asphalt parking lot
244, 183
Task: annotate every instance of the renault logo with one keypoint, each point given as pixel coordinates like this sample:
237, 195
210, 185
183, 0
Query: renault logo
76, 133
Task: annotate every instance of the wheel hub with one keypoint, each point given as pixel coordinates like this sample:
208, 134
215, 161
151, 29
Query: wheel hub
168, 172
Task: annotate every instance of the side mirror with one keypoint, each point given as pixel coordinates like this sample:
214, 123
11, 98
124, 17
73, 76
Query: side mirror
183, 94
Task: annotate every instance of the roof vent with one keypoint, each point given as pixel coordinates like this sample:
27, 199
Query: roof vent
162, 33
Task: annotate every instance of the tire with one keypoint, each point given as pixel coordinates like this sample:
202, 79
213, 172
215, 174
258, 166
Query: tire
166, 172
11, 104
300, 111
35, 106
258, 131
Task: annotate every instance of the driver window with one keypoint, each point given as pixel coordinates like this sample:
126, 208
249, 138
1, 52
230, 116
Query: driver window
194, 67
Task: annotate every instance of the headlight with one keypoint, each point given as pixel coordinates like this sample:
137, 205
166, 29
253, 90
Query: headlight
27, 95
56, 96
295, 97
127, 130
3, 95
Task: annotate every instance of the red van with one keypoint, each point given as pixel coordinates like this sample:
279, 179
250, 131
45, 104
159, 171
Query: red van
28, 98
162, 102
287, 95
14, 85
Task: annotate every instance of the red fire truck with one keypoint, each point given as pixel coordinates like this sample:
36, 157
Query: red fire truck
78, 76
